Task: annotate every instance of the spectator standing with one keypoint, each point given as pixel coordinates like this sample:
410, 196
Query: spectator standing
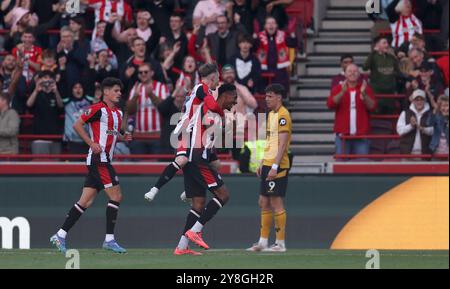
206, 13
223, 42
160, 10
145, 96
78, 103
29, 54
403, 22
13, 83
175, 35
201, 54
248, 68
104, 9
384, 69
273, 51
439, 120
246, 102
415, 133
346, 60
74, 53
46, 104
352, 101
244, 12
103, 64
432, 86
275, 9
189, 76
9, 127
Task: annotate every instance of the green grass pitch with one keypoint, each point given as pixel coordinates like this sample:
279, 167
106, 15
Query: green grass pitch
222, 259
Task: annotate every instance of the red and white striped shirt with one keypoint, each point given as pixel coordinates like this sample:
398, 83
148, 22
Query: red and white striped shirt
404, 29
104, 128
182, 79
104, 9
148, 118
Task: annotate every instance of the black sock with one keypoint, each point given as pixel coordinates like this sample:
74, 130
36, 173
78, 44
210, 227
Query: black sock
191, 219
111, 216
211, 210
72, 217
169, 172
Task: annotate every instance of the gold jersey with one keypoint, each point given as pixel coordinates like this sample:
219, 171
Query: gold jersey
277, 122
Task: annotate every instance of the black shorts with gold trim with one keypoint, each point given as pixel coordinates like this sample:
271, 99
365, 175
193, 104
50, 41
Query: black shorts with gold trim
277, 187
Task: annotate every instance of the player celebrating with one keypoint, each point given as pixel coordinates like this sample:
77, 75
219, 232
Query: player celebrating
200, 175
104, 121
202, 93
274, 171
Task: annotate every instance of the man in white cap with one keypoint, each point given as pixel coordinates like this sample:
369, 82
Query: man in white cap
412, 126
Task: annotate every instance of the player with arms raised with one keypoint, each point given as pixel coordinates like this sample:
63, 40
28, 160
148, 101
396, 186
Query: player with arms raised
105, 121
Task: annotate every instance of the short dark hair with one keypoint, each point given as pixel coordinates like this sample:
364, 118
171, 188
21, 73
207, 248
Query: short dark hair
207, 69
277, 89
244, 37
136, 39
345, 56
5, 96
178, 14
226, 87
110, 82
378, 39
29, 30
46, 73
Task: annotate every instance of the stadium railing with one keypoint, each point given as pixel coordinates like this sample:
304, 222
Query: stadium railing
382, 156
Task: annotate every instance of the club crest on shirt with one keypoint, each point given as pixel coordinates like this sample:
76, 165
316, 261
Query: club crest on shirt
283, 122
88, 112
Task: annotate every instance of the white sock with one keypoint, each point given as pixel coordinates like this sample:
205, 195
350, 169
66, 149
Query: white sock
109, 237
280, 242
197, 228
62, 234
184, 242
263, 242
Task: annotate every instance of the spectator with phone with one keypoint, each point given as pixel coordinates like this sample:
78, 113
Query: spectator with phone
46, 105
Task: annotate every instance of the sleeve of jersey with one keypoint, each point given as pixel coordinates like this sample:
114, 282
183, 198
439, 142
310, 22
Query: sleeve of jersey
211, 105
91, 115
284, 123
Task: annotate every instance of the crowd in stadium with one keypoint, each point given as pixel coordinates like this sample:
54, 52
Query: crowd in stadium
53, 62
409, 79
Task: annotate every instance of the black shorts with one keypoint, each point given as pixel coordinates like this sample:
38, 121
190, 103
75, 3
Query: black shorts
200, 177
275, 188
213, 156
101, 176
